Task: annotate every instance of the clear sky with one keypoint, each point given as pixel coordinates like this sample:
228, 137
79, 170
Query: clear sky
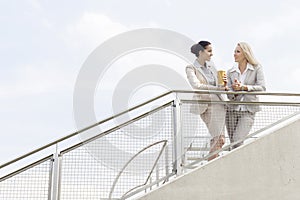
44, 44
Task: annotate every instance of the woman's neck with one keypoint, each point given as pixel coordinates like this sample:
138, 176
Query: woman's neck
243, 66
201, 61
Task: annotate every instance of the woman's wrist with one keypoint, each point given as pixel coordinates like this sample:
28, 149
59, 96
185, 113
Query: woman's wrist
222, 88
244, 88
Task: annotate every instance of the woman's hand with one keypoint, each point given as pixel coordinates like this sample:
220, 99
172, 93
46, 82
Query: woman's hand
223, 88
236, 86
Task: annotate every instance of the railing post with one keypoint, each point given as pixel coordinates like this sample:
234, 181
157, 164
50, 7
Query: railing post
55, 175
177, 150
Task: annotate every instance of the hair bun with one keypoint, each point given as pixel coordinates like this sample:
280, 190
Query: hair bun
196, 48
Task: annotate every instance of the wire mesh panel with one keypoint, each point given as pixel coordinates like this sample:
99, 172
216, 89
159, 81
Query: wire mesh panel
270, 114
195, 135
121, 162
238, 124
33, 182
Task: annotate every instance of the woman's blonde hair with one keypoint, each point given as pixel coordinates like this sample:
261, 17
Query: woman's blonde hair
248, 53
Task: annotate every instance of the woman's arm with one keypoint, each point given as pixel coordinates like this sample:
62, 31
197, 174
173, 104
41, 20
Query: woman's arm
229, 85
259, 85
195, 82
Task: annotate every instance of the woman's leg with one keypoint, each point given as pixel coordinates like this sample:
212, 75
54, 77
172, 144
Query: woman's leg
214, 118
244, 125
231, 121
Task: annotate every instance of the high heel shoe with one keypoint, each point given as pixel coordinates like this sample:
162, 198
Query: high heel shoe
216, 143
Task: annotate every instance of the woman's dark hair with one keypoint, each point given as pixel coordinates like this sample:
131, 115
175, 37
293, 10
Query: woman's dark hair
200, 46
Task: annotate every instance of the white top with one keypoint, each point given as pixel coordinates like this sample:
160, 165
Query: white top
242, 80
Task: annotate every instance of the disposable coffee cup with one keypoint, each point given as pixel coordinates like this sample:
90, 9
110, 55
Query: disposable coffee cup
221, 74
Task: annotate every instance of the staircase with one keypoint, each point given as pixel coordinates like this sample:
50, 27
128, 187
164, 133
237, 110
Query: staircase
153, 151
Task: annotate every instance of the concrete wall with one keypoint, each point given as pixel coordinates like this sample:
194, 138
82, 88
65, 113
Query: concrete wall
268, 168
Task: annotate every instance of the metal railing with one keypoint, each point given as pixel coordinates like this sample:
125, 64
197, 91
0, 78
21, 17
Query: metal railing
121, 159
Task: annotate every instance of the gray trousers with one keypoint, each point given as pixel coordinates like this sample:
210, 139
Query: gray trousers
238, 124
214, 118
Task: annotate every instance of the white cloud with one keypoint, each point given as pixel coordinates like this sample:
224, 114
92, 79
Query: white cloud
92, 29
35, 79
35, 4
276, 26
168, 3
277, 69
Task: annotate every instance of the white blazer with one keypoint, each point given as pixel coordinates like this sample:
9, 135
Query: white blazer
254, 81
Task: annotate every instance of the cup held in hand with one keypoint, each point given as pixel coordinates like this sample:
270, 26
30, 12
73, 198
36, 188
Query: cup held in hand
221, 74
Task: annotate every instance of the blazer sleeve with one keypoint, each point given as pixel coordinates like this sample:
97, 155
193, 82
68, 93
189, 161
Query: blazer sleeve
195, 82
229, 85
259, 84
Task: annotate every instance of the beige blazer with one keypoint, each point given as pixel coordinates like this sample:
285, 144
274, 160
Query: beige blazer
198, 81
254, 80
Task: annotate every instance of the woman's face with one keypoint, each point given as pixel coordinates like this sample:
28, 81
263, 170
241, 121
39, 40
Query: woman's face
239, 55
207, 53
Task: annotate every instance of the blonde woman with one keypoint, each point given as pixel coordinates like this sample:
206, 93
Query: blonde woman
202, 75
247, 76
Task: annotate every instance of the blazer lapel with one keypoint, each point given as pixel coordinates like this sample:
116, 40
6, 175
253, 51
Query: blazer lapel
199, 70
249, 74
214, 71
234, 75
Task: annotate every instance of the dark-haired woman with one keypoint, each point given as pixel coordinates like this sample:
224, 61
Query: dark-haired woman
202, 75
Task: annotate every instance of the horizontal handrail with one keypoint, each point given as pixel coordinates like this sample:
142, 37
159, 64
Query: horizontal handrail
242, 103
231, 92
26, 167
